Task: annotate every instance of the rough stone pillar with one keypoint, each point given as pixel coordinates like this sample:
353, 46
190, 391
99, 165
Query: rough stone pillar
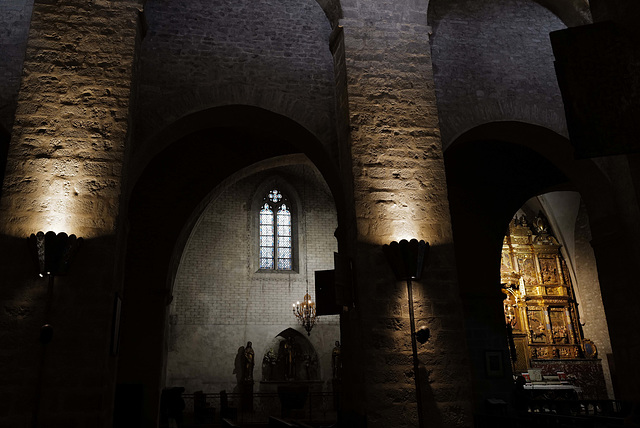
618, 296
63, 174
603, 126
400, 192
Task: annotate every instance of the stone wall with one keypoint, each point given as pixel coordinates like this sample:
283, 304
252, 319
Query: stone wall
63, 174
15, 16
591, 309
492, 62
72, 119
400, 192
222, 300
270, 55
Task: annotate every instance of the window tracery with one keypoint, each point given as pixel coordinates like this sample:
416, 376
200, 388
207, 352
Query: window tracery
276, 243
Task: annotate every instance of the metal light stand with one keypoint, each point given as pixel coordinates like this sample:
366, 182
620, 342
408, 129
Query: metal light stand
406, 259
52, 253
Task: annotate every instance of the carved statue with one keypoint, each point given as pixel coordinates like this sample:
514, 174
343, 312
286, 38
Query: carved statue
248, 362
336, 361
540, 223
290, 359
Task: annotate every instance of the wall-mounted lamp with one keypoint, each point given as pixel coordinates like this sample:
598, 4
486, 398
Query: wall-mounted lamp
53, 253
407, 259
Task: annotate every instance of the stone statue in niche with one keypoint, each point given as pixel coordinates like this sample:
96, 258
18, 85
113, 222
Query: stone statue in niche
249, 362
269, 364
290, 358
336, 360
310, 366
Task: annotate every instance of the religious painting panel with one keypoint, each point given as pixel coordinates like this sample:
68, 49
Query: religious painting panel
527, 269
506, 265
549, 270
559, 329
537, 326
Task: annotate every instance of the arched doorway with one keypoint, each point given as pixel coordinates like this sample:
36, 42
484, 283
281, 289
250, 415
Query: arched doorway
239, 276
556, 325
492, 171
203, 151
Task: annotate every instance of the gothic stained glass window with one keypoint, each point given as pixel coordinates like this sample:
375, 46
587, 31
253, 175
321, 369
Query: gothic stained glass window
276, 247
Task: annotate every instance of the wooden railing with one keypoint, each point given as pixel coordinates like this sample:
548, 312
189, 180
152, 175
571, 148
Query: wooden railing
566, 413
319, 408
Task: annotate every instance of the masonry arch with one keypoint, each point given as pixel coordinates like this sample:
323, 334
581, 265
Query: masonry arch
485, 71
492, 170
270, 55
163, 205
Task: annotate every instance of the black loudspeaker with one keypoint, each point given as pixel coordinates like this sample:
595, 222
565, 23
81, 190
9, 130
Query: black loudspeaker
326, 293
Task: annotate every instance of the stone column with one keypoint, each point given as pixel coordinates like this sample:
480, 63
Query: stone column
619, 297
400, 192
603, 126
64, 174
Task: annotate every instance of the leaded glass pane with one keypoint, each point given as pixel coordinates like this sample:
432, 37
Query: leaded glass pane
266, 218
266, 214
284, 230
284, 253
274, 196
284, 264
284, 217
284, 241
275, 233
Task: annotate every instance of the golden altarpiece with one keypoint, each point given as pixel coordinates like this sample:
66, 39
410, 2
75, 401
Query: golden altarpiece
540, 307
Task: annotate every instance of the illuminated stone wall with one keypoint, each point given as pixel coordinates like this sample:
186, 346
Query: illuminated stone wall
71, 120
400, 192
64, 173
221, 301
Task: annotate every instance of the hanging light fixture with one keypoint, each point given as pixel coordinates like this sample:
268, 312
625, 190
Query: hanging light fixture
305, 311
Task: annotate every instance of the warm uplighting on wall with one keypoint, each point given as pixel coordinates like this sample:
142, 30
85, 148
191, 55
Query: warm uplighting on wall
56, 213
403, 230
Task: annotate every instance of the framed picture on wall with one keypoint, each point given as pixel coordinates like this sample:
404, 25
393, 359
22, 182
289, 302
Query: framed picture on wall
494, 364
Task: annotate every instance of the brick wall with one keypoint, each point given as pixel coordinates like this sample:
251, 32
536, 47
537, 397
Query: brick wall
221, 301
493, 61
15, 16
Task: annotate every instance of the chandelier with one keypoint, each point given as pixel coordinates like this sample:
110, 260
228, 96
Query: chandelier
305, 311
